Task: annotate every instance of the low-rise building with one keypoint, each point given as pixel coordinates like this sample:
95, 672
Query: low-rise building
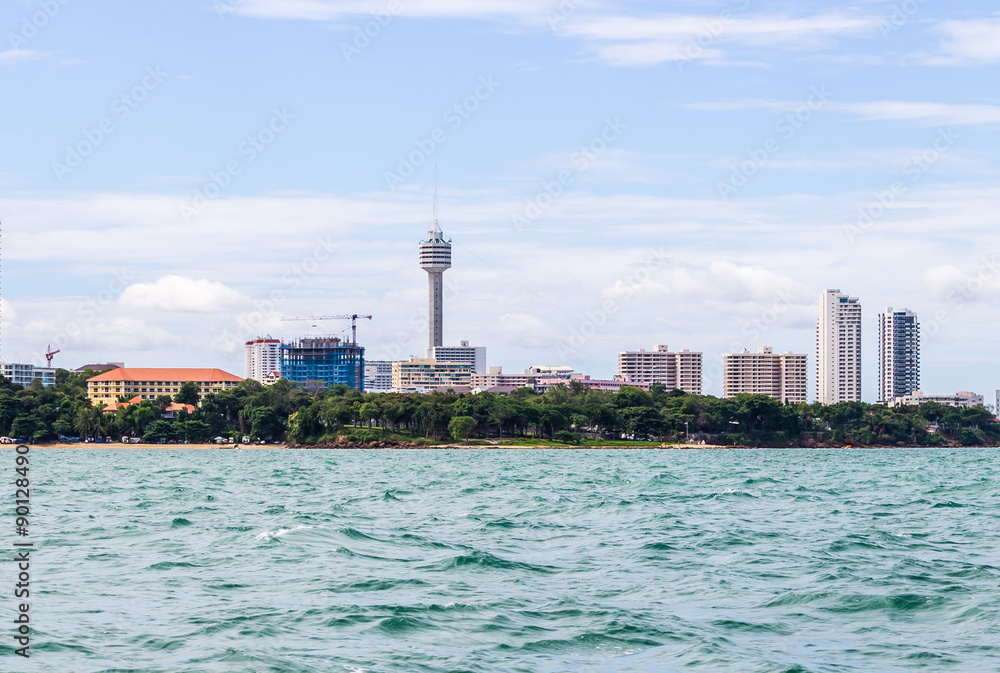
24, 374
496, 378
426, 374
613, 385
961, 399
99, 367
150, 383
783, 376
548, 371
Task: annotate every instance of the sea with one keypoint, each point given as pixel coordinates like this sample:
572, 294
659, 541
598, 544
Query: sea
422, 561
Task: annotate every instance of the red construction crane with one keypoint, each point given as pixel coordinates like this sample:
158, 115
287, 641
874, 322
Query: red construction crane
50, 354
353, 318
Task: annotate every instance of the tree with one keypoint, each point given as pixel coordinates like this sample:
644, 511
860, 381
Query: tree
189, 393
461, 427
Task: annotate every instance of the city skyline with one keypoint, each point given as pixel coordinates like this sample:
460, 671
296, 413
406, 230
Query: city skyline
613, 178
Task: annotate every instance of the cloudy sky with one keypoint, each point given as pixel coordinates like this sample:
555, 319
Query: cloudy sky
177, 175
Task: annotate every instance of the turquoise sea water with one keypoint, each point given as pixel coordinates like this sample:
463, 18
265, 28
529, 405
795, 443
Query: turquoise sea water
769, 560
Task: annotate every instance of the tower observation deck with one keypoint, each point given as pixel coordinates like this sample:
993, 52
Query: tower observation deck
435, 259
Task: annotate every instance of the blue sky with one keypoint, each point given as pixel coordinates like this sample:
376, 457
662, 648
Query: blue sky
613, 175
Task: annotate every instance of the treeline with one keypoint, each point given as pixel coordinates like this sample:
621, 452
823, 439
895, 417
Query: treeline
571, 414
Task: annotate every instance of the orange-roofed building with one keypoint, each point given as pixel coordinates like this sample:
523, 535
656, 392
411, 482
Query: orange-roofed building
148, 384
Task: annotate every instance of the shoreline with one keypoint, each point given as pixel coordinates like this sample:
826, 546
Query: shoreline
385, 446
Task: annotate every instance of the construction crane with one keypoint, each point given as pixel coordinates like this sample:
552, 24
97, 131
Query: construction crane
353, 318
50, 354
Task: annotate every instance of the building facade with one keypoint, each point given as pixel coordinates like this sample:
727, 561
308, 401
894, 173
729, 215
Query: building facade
473, 355
681, 370
961, 400
898, 354
426, 374
261, 358
783, 376
23, 374
148, 384
321, 362
838, 348
496, 378
378, 376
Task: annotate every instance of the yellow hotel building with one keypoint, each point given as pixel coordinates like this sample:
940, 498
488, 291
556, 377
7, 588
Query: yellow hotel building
148, 384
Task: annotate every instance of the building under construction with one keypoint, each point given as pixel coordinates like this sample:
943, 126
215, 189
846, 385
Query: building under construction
322, 361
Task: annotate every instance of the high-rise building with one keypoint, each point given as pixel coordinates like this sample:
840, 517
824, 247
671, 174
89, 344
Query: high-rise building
378, 376
680, 370
474, 355
435, 259
838, 348
321, 362
898, 354
783, 376
260, 358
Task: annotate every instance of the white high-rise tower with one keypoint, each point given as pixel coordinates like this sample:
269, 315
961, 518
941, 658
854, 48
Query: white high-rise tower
898, 354
838, 349
435, 259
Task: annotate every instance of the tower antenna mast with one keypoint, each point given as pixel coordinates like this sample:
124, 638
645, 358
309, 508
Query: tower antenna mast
436, 197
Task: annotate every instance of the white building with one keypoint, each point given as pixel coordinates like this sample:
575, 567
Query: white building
378, 376
435, 259
838, 349
549, 371
24, 374
473, 355
418, 374
681, 370
783, 376
961, 399
898, 354
260, 359
496, 378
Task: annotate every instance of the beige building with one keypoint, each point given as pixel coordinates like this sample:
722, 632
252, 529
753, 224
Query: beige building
783, 376
496, 377
680, 370
418, 373
148, 384
962, 400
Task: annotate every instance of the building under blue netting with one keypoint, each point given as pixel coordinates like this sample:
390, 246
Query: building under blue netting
322, 362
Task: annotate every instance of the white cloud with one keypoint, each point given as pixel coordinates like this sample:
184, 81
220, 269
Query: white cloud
650, 40
7, 312
20, 55
949, 283
925, 113
177, 293
969, 42
328, 10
